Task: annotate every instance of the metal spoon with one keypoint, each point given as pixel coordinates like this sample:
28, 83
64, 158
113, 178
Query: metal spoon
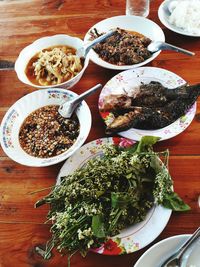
176, 259
83, 51
66, 109
172, 5
6, 65
157, 45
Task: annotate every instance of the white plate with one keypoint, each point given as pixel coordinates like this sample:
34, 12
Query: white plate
163, 14
133, 23
158, 253
135, 237
131, 78
13, 119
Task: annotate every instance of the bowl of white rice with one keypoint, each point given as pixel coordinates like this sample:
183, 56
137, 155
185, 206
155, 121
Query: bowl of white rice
181, 16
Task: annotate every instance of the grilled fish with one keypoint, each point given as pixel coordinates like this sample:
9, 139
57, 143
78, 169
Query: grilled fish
153, 106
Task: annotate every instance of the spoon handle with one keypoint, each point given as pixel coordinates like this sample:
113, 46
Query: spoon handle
166, 46
79, 98
98, 40
67, 108
187, 244
5, 65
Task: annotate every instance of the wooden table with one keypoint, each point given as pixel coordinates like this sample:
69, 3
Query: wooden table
21, 226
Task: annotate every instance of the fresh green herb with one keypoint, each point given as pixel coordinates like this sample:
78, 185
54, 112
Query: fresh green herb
108, 194
174, 202
98, 228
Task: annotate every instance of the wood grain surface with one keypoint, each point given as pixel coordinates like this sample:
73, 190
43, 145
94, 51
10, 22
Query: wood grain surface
22, 227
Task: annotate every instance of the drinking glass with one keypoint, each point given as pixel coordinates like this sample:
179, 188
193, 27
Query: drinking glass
137, 7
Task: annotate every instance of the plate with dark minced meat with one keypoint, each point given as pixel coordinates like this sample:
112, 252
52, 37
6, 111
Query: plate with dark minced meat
127, 47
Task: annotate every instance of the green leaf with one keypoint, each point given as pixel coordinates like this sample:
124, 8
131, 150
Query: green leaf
129, 175
130, 149
156, 164
119, 200
174, 202
146, 143
98, 228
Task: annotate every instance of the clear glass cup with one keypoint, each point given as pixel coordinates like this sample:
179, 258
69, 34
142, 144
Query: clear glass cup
137, 7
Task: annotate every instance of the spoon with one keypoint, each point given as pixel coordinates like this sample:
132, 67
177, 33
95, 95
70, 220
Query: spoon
157, 45
67, 108
5, 65
83, 51
172, 5
176, 259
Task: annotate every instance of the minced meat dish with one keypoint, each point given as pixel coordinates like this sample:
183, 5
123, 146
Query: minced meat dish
124, 48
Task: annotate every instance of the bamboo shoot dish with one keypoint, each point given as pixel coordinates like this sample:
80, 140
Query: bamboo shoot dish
54, 65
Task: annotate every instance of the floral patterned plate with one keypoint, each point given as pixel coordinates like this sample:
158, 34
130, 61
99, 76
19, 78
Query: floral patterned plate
127, 80
134, 237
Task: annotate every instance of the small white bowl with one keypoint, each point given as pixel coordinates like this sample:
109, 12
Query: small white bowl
15, 116
132, 23
28, 52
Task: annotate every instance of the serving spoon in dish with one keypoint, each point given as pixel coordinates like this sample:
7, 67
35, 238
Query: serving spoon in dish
172, 5
156, 46
67, 108
83, 51
177, 259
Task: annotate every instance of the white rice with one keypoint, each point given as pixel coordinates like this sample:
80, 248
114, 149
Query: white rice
186, 15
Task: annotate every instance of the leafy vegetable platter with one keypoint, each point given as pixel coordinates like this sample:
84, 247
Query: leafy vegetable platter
134, 237
113, 196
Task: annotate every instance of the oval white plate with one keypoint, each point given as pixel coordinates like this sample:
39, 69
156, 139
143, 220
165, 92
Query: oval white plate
159, 252
13, 119
129, 79
163, 14
133, 23
134, 237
